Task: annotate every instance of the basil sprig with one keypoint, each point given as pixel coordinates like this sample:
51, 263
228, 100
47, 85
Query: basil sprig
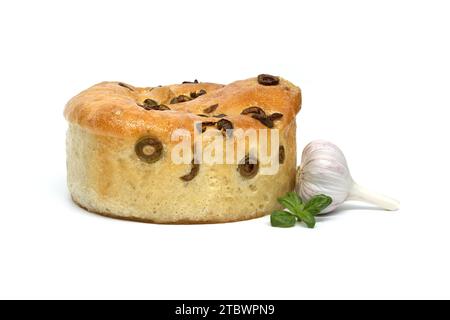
297, 210
282, 219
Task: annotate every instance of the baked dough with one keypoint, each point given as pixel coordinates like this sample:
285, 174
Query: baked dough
108, 172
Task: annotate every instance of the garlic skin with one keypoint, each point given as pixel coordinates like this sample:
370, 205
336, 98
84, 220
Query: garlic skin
324, 170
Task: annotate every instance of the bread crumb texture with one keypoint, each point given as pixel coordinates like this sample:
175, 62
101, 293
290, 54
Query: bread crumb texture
106, 176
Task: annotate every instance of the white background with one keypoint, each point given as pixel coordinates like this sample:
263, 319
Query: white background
375, 77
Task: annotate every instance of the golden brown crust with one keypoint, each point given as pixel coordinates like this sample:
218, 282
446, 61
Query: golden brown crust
112, 110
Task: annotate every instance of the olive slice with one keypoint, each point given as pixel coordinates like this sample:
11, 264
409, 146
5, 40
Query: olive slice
275, 116
207, 124
180, 98
211, 109
197, 94
222, 115
226, 126
268, 80
281, 154
148, 149
248, 167
126, 86
195, 81
195, 167
201, 126
254, 110
163, 107
264, 120
150, 103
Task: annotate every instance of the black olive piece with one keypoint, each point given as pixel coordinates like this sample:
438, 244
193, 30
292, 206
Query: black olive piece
281, 154
222, 115
268, 80
211, 109
201, 126
197, 94
195, 167
248, 167
275, 116
146, 107
150, 103
207, 124
174, 100
195, 81
264, 120
254, 110
163, 107
226, 126
202, 115
180, 98
148, 149
125, 86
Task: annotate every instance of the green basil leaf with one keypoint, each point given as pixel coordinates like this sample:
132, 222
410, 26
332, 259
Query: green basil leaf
291, 201
282, 219
307, 218
317, 203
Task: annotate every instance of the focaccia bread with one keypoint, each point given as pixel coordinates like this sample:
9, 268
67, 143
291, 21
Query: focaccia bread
120, 142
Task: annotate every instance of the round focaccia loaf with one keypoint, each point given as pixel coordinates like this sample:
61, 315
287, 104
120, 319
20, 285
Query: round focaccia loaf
120, 145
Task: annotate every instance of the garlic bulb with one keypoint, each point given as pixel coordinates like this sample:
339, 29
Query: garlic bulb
324, 170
